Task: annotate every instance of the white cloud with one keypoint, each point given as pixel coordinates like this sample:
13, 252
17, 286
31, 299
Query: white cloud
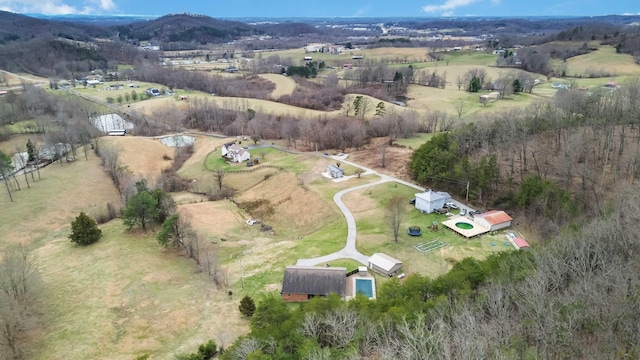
448, 6
57, 7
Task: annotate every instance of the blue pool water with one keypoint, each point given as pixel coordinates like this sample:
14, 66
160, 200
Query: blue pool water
364, 286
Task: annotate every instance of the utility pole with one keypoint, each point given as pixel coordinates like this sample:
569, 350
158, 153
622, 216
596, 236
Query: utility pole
467, 197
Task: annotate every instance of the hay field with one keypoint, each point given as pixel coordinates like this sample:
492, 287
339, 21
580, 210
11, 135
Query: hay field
284, 84
142, 156
605, 60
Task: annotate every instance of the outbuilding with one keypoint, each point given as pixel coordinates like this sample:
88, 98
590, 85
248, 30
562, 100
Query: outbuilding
494, 220
384, 264
430, 200
302, 283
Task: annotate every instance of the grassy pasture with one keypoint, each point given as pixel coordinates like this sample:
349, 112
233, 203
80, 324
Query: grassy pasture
374, 234
605, 60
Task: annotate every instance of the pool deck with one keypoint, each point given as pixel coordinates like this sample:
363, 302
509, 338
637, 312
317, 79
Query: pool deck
351, 284
468, 233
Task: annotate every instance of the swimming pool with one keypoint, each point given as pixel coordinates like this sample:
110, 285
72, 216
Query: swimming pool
365, 286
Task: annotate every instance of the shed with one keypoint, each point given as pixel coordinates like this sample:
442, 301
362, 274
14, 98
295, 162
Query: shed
494, 220
335, 171
302, 283
430, 200
520, 243
384, 264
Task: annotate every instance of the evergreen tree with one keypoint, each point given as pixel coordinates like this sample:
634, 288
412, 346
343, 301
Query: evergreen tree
141, 209
247, 306
31, 151
84, 230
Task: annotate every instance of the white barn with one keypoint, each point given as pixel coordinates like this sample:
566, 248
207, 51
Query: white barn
430, 200
335, 171
384, 264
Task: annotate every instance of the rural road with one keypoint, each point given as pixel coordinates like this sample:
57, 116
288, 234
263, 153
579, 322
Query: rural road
349, 251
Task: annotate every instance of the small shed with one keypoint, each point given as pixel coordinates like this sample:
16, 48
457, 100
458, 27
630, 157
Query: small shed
302, 283
430, 200
494, 220
384, 264
335, 171
520, 243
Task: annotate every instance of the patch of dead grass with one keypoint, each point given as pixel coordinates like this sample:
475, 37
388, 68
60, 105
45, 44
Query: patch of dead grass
142, 156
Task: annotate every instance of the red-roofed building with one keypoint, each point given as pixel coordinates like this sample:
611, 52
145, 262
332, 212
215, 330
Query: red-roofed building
494, 220
520, 243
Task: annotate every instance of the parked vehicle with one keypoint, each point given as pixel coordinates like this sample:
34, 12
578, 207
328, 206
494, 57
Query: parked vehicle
441, 211
451, 205
463, 212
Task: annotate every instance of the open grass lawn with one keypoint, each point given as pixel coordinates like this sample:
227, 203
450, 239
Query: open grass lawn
375, 234
415, 141
284, 85
124, 297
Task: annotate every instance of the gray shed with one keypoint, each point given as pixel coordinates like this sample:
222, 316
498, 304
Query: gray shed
384, 264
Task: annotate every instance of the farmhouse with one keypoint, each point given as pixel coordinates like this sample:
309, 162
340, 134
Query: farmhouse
335, 171
384, 264
234, 152
494, 220
430, 200
302, 283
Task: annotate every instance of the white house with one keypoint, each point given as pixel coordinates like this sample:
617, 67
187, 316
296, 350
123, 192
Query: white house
384, 264
430, 200
493, 220
235, 152
335, 171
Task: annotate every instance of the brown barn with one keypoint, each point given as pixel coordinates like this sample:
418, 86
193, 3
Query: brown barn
301, 283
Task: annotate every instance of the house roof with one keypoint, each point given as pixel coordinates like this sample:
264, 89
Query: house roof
334, 168
432, 195
314, 280
383, 261
495, 217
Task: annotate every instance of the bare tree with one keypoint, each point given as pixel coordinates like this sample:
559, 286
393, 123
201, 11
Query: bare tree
218, 175
460, 105
19, 291
396, 209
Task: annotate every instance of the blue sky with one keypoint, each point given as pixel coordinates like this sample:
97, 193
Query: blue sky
328, 8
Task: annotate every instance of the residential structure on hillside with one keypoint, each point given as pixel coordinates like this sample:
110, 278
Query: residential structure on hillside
302, 283
335, 171
430, 200
234, 152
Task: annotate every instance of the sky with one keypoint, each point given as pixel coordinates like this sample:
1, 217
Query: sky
328, 8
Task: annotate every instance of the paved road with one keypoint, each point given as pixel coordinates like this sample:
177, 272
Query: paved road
349, 251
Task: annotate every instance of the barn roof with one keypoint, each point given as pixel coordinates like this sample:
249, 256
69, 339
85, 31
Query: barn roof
314, 280
495, 217
384, 261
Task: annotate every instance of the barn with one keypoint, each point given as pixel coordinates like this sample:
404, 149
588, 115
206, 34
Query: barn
493, 220
302, 283
384, 264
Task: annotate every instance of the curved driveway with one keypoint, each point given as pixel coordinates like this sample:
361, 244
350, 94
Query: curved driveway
349, 251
